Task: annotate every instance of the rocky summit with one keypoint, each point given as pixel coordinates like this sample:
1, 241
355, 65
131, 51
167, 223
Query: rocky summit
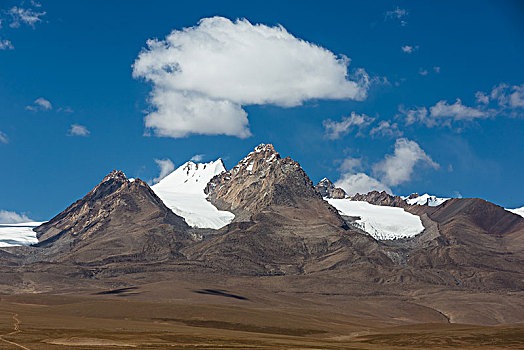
119, 220
327, 189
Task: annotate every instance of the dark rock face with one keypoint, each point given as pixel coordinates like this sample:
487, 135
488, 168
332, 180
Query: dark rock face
380, 198
327, 189
324, 186
117, 220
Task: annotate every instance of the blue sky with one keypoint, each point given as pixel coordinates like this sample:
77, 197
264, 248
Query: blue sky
71, 109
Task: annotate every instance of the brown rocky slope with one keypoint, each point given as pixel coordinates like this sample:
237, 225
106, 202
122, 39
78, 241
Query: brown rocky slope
119, 220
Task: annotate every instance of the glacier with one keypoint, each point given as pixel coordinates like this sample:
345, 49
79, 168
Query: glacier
381, 222
182, 191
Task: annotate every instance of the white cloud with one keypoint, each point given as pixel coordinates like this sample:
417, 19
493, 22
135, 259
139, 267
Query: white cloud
360, 183
350, 165
65, 109
203, 75
386, 128
398, 14
423, 72
414, 115
5, 44
78, 130
409, 48
180, 114
456, 111
24, 15
442, 113
3, 138
393, 170
516, 99
335, 130
166, 167
40, 104
436, 69
481, 97
398, 167
10, 217
507, 97
197, 158
503, 100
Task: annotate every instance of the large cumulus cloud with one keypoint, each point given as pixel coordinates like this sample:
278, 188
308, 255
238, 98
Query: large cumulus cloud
202, 76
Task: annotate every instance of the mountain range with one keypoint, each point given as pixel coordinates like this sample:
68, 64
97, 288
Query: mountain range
265, 223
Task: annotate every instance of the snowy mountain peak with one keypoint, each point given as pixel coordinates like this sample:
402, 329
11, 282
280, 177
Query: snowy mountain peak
425, 199
325, 182
191, 177
265, 148
182, 191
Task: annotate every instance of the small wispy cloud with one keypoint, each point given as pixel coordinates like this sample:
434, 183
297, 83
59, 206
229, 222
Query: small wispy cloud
6, 44
78, 130
197, 157
65, 109
24, 14
45, 104
423, 72
166, 167
11, 217
503, 100
41, 104
436, 69
20, 15
3, 138
398, 14
409, 48
335, 130
386, 128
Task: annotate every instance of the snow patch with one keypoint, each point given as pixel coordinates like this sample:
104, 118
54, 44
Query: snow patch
21, 234
518, 211
380, 222
182, 191
425, 199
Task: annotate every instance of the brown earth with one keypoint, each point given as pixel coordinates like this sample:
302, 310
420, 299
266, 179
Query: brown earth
249, 314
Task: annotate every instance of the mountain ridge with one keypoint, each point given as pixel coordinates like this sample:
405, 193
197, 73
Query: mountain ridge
282, 227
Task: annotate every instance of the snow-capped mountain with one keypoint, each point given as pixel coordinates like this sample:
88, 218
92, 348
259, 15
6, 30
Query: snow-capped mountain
20, 234
518, 211
425, 199
381, 222
182, 191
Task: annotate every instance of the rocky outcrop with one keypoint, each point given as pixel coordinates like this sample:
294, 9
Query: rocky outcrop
380, 198
117, 220
262, 181
327, 189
